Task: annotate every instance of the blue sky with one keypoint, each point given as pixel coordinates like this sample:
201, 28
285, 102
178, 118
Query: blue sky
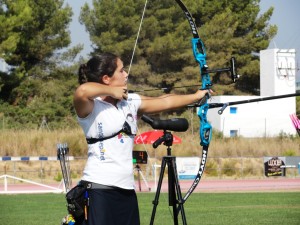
286, 16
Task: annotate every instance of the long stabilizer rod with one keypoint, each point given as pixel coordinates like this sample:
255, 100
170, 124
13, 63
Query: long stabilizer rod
224, 105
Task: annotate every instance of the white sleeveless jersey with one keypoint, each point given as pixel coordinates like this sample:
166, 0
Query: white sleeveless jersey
110, 161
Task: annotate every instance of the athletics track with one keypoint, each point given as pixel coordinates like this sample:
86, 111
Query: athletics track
278, 184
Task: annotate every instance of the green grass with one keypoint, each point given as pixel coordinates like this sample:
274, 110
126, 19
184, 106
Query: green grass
201, 208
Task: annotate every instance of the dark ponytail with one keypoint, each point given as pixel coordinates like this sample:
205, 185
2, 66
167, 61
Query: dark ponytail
96, 67
82, 74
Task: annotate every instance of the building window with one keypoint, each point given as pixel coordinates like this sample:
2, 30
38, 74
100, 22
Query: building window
233, 110
233, 133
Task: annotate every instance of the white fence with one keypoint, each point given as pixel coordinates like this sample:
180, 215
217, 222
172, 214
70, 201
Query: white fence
34, 171
47, 170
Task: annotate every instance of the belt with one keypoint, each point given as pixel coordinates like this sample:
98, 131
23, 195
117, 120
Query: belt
90, 185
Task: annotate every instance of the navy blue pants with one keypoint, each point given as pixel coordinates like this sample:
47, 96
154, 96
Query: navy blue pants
113, 207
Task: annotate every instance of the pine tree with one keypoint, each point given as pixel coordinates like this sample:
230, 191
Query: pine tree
164, 56
32, 31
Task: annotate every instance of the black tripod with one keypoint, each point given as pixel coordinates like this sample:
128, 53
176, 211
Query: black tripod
175, 197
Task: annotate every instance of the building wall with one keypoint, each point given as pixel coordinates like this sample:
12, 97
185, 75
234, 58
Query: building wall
264, 118
257, 119
277, 71
4, 67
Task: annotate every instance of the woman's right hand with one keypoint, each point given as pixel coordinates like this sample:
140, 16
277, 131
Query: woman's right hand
120, 93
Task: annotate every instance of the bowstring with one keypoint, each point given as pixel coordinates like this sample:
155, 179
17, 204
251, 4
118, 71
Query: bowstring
137, 36
129, 69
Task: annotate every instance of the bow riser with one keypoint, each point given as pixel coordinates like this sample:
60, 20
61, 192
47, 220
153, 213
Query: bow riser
205, 128
200, 56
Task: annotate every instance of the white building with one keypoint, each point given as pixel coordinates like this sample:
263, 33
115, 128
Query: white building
264, 118
4, 67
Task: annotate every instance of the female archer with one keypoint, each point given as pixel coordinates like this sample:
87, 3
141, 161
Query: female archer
108, 116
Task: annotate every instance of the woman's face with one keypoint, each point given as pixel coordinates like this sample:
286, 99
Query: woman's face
120, 76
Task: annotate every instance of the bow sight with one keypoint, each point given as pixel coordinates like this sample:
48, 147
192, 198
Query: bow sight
232, 70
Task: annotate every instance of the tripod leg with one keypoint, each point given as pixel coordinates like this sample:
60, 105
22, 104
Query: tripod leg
155, 201
139, 179
179, 195
144, 179
172, 186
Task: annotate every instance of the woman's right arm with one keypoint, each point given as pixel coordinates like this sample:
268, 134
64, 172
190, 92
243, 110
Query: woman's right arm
86, 93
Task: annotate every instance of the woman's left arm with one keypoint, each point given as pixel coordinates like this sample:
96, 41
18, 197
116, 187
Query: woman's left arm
168, 102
